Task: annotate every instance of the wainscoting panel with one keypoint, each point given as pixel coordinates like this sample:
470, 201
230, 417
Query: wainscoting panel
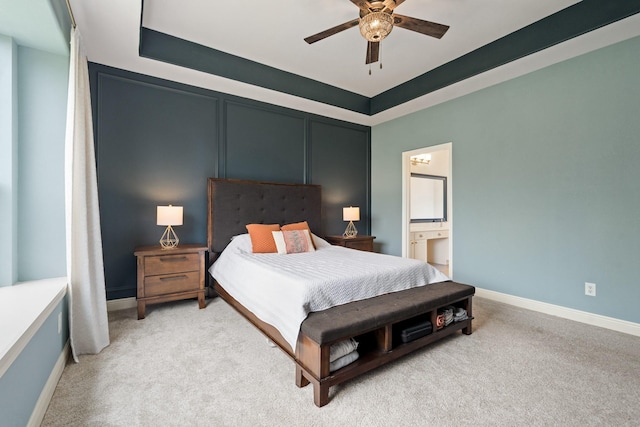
340, 160
154, 145
158, 141
264, 145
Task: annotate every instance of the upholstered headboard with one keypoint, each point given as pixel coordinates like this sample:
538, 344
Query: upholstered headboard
234, 203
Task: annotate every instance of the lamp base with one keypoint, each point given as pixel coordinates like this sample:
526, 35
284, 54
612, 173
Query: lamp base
169, 239
350, 232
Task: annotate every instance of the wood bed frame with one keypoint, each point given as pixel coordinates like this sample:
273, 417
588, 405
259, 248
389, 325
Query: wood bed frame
234, 203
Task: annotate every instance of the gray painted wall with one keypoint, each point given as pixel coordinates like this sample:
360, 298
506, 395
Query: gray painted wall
42, 107
546, 183
34, 101
32, 203
24, 381
8, 161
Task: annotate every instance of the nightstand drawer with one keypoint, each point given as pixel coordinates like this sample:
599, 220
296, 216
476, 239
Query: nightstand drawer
171, 283
170, 275
361, 245
163, 264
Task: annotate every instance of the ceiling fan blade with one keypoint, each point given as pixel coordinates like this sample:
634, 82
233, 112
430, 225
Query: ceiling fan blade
373, 50
389, 5
363, 5
418, 25
331, 31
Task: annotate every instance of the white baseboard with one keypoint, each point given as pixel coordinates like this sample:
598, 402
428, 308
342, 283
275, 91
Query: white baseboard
564, 312
47, 392
121, 304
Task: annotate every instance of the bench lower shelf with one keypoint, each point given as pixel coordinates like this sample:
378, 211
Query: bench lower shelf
371, 359
374, 358
379, 345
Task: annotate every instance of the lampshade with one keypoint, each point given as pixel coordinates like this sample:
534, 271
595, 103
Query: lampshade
169, 215
351, 214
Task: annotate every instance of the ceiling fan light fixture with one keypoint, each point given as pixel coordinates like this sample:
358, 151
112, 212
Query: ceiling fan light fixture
375, 26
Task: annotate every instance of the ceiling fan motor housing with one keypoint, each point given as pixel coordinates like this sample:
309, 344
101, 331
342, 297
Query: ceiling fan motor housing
375, 26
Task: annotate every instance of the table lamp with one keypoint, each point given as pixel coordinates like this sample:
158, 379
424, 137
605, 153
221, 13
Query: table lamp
350, 214
169, 216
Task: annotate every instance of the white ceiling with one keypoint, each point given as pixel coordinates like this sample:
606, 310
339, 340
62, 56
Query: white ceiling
272, 33
275, 37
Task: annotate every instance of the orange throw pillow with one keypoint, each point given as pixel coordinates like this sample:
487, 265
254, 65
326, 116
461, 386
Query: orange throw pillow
299, 226
262, 237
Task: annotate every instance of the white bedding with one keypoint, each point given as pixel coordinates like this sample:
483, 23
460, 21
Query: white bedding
283, 289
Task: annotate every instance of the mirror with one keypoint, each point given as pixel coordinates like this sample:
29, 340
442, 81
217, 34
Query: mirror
428, 198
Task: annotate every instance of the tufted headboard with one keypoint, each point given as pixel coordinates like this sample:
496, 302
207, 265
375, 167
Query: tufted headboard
234, 203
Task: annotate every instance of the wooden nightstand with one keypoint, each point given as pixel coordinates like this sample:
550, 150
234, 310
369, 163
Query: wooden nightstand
170, 274
362, 243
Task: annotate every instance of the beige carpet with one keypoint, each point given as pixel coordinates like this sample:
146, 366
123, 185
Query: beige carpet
187, 367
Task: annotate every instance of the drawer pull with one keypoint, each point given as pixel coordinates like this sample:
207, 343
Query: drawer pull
173, 259
180, 277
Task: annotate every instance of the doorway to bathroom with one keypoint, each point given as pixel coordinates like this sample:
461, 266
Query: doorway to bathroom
427, 215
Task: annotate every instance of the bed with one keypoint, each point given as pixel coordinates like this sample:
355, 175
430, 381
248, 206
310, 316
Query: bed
374, 322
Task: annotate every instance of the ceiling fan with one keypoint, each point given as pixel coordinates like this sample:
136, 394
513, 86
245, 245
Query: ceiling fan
376, 21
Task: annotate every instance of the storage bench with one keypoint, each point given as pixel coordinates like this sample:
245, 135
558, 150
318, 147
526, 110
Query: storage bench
376, 324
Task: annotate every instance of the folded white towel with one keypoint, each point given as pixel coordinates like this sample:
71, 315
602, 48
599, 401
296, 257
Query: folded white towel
344, 361
342, 348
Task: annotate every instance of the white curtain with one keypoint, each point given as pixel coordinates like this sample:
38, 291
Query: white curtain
88, 323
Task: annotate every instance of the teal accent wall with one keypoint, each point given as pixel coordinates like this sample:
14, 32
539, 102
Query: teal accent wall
173, 50
546, 183
24, 381
158, 141
42, 106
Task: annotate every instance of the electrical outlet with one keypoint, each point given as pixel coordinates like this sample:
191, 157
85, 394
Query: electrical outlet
59, 323
590, 289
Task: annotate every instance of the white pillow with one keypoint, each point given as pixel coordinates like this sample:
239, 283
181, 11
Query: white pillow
241, 242
319, 242
293, 241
